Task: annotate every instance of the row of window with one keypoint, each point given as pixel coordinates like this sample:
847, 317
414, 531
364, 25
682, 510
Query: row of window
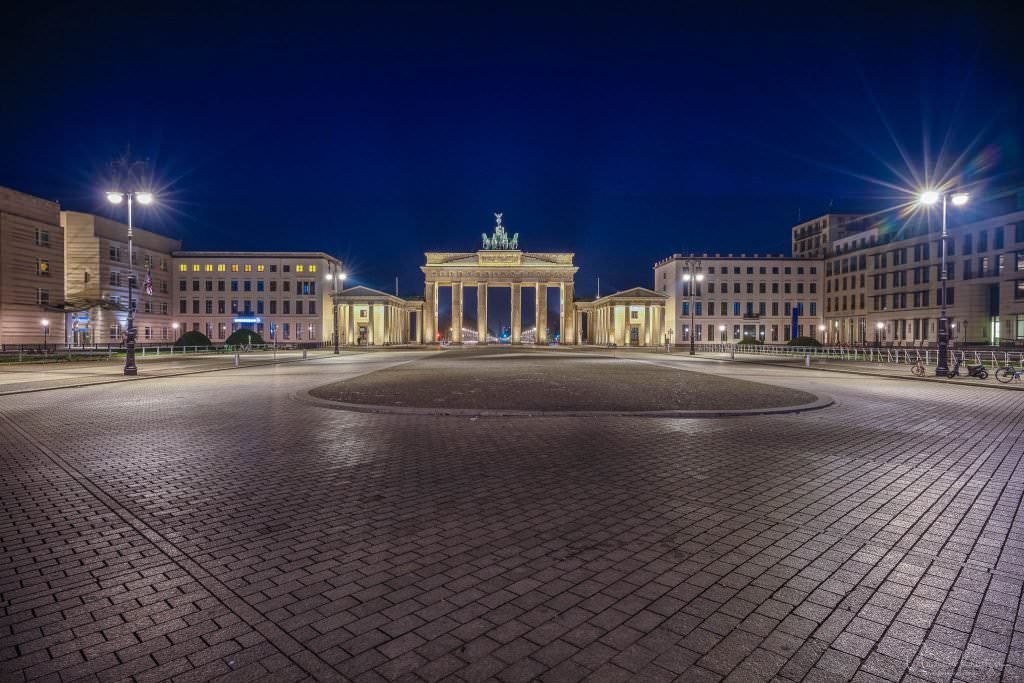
987, 266
761, 270
746, 308
740, 331
244, 268
303, 287
762, 287
300, 308
148, 261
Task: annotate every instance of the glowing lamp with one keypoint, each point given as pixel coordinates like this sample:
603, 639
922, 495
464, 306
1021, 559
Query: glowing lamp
960, 198
144, 197
879, 325
114, 197
929, 197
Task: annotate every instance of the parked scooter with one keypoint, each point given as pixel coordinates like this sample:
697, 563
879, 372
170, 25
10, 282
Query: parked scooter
978, 370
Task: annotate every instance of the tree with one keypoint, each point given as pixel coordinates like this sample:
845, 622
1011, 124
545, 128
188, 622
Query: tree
193, 338
243, 337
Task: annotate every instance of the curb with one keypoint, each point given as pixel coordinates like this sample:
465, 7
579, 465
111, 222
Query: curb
306, 397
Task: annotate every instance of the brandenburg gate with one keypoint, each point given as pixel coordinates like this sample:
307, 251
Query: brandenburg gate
500, 263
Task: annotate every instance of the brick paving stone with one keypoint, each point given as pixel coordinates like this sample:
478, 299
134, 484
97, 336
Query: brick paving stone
853, 543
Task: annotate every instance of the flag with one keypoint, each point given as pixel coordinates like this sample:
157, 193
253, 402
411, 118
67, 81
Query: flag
149, 283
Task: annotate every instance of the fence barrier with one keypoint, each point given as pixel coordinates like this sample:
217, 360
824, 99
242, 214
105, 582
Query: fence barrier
897, 356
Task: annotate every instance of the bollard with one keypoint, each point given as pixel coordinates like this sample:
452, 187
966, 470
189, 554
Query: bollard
732, 352
807, 360
236, 359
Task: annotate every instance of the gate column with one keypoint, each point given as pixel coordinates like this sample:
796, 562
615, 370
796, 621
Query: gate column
481, 311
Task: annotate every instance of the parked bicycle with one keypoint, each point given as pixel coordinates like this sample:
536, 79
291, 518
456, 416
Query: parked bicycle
1008, 373
918, 368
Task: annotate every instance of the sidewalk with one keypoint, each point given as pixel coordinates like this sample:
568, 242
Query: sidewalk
16, 378
873, 369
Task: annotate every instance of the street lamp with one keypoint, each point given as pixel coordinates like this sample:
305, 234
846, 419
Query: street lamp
879, 326
337, 283
721, 331
691, 277
129, 339
46, 331
928, 198
821, 331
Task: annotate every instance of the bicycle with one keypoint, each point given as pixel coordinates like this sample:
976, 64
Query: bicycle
1007, 374
917, 368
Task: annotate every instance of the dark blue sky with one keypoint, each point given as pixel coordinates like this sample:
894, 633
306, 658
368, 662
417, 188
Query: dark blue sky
623, 132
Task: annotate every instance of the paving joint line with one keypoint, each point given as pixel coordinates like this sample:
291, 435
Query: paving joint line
306, 659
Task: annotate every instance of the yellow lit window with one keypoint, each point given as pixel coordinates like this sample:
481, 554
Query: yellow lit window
234, 267
195, 267
312, 268
248, 267
183, 267
298, 268
221, 267
259, 268
209, 267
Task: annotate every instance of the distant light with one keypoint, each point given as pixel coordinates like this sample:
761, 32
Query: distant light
700, 276
686, 277
929, 197
174, 325
342, 276
144, 197
879, 325
114, 197
45, 322
821, 328
721, 328
960, 198
329, 276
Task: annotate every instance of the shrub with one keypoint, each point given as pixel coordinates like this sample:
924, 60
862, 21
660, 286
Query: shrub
803, 341
193, 338
750, 341
242, 337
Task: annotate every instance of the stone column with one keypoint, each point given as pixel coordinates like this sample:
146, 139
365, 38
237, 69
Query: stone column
456, 312
350, 324
541, 326
370, 336
481, 311
568, 329
429, 322
517, 312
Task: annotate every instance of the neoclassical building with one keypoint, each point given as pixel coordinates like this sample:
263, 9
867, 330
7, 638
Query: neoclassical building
633, 317
500, 263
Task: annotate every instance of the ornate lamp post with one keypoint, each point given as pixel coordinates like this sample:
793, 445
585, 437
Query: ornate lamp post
129, 338
691, 277
959, 199
46, 331
879, 326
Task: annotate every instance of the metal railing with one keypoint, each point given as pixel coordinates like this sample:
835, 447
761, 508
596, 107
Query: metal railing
987, 357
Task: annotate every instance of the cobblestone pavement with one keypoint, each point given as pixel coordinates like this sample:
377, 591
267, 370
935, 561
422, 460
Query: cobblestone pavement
552, 380
210, 527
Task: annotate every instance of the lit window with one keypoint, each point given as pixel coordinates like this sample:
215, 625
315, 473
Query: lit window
221, 268
248, 267
209, 267
312, 268
234, 267
195, 267
298, 268
42, 267
183, 267
259, 268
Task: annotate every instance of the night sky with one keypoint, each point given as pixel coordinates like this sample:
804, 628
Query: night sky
623, 132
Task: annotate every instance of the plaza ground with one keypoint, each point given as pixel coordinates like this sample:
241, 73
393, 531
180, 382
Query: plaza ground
210, 526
